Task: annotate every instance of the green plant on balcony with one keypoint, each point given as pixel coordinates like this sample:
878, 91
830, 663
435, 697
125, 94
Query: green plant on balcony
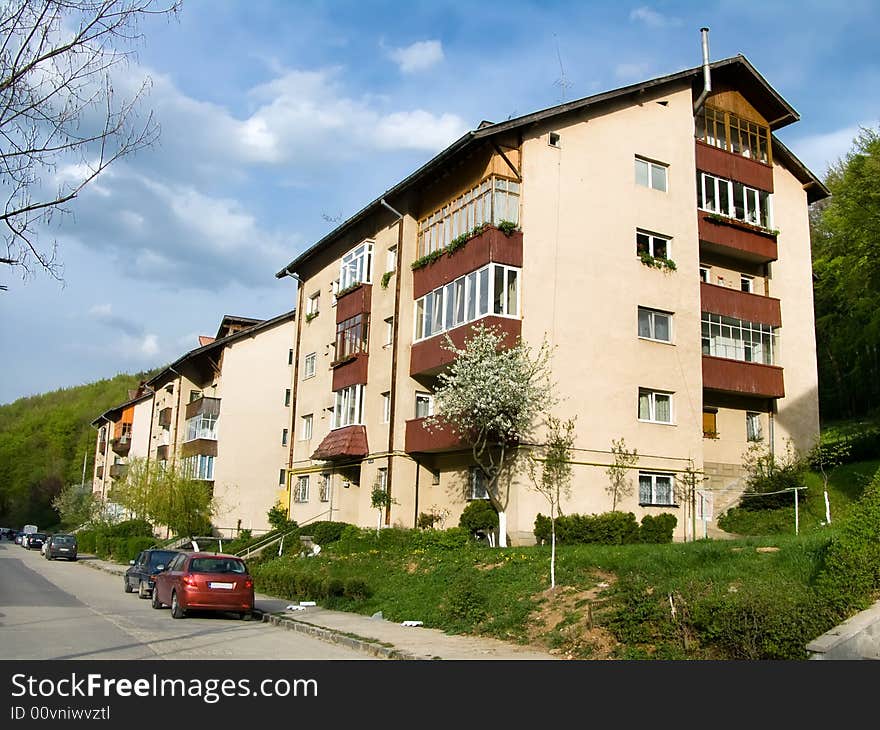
349, 288
657, 262
386, 277
507, 228
310, 316
428, 258
725, 220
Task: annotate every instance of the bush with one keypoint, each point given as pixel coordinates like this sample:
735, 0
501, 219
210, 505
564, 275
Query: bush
466, 601
478, 515
452, 539
131, 546
608, 528
279, 519
769, 476
85, 540
862, 446
130, 528
325, 532
657, 529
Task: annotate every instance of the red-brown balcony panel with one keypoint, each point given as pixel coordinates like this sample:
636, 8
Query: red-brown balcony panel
99, 472
732, 166
352, 371
118, 471
165, 417
731, 237
490, 246
122, 445
420, 440
162, 452
739, 304
343, 444
356, 301
203, 447
746, 378
429, 357
203, 406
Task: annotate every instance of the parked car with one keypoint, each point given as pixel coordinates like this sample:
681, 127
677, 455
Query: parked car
203, 581
35, 540
142, 570
61, 546
18, 537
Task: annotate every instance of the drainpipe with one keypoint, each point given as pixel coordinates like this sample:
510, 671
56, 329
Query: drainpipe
394, 342
299, 308
707, 79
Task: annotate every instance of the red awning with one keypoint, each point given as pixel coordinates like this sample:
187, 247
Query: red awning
343, 443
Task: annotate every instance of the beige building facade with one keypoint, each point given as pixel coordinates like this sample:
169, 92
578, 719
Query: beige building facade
655, 236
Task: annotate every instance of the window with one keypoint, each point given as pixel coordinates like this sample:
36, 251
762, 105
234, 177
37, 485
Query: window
284, 437
753, 427
554, 139
655, 325
494, 289
382, 478
334, 290
655, 406
435, 476
734, 200
348, 407
313, 303
732, 133
305, 427
357, 266
705, 272
737, 339
287, 397
656, 489
309, 365
477, 484
203, 426
747, 283
194, 395
351, 336
424, 405
386, 407
651, 174
290, 357
199, 466
325, 488
389, 330
710, 423
491, 201
281, 474
301, 493
652, 244
391, 259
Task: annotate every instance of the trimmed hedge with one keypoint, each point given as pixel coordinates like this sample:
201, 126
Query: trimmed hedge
284, 579
608, 528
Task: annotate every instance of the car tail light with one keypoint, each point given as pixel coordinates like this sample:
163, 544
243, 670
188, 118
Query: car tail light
189, 580
248, 583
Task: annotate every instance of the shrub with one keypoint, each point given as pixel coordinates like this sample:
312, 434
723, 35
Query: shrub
657, 529
85, 540
769, 476
608, 528
130, 528
325, 532
478, 515
452, 539
279, 519
466, 601
129, 548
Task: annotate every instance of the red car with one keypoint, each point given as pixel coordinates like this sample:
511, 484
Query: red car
205, 582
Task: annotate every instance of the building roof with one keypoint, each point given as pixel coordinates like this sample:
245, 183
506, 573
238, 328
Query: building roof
113, 414
343, 443
735, 71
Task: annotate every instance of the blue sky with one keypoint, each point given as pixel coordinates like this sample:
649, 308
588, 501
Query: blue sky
280, 117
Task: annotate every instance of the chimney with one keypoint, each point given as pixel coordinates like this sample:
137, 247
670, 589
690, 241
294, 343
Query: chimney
707, 78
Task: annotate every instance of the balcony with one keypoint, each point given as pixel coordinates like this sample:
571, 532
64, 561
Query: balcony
351, 371
739, 304
118, 471
742, 378
203, 406
121, 445
731, 237
165, 417
491, 246
429, 357
200, 446
354, 301
732, 166
419, 440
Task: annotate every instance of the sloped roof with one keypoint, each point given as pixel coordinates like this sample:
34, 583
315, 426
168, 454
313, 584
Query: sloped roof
343, 443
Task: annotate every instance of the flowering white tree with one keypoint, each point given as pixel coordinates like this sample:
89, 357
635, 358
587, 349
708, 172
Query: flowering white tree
491, 397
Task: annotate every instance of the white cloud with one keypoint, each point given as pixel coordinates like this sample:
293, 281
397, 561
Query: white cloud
652, 18
819, 151
149, 345
417, 130
418, 56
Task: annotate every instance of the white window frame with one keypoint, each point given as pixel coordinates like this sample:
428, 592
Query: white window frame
306, 427
652, 498
706, 274
425, 397
652, 315
389, 331
382, 478
652, 405
747, 283
554, 139
737, 339
356, 266
199, 466
754, 427
301, 491
386, 407
391, 259
477, 484
310, 365
649, 167
348, 406
325, 489
202, 426
653, 240
285, 435
313, 303
287, 397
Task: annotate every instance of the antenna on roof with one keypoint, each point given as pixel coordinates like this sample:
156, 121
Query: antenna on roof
562, 82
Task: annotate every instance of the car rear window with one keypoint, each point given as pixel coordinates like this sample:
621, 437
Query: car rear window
63, 540
216, 565
39, 535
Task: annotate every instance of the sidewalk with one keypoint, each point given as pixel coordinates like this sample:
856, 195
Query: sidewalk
374, 636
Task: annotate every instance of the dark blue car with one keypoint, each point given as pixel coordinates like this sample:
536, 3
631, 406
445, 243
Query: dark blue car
139, 576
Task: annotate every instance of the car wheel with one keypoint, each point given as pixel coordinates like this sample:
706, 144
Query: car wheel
127, 585
177, 610
154, 600
142, 590
246, 615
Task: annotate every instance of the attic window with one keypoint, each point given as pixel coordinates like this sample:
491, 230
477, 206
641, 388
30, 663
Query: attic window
554, 139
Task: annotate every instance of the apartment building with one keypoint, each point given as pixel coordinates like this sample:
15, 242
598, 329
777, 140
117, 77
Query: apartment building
222, 412
655, 235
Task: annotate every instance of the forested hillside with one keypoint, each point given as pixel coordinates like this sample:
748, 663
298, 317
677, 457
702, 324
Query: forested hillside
43, 440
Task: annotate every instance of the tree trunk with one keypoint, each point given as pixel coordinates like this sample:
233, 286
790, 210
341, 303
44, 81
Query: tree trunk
502, 528
553, 553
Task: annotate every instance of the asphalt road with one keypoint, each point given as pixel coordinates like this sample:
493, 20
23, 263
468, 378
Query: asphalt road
63, 610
